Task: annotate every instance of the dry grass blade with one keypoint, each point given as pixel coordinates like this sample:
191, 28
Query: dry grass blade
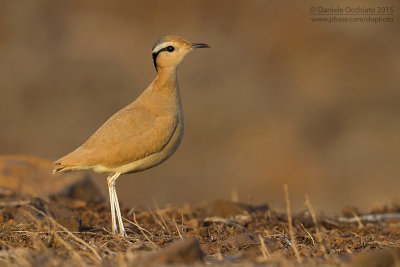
177, 229
358, 220
137, 225
13, 203
291, 233
317, 231
235, 195
162, 218
309, 234
157, 220
142, 230
264, 250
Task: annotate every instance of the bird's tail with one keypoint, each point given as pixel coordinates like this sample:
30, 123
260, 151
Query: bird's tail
62, 168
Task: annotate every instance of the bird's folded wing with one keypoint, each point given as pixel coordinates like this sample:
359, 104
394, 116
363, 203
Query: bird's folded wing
129, 135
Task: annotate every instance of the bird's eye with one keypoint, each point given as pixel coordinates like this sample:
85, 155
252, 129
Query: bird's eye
170, 48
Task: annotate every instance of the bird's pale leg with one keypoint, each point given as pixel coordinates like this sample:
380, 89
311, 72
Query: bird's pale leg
119, 217
116, 205
111, 184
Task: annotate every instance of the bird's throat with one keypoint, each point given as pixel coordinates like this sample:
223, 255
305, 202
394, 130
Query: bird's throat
166, 79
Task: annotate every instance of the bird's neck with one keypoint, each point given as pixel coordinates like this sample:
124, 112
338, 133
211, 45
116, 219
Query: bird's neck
164, 93
166, 80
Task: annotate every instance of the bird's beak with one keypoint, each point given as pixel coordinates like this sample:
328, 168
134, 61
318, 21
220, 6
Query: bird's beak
199, 45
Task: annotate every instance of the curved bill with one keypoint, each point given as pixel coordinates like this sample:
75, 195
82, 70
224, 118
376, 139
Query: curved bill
199, 45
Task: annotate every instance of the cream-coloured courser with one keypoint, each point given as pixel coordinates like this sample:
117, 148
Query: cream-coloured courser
141, 135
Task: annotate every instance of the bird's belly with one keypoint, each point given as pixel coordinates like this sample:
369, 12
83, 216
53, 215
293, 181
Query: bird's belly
151, 160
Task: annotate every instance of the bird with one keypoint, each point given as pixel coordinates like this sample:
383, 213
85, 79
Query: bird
141, 135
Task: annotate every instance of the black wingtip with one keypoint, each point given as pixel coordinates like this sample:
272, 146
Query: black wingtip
58, 169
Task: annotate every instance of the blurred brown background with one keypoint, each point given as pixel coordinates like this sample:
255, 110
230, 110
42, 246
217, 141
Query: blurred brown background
278, 99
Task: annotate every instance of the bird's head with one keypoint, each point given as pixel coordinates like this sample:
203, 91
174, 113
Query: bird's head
169, 51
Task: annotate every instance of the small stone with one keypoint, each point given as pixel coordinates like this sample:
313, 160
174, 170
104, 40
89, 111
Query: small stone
160, 241
35, 215
350, 211
243, 240
77, 204
194, 223
199, 232
225, 208
186, 251
249, 244
84, 189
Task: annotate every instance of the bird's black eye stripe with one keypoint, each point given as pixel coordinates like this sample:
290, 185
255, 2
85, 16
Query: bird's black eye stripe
155, 54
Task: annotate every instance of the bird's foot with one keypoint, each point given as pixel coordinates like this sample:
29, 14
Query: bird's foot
122, 233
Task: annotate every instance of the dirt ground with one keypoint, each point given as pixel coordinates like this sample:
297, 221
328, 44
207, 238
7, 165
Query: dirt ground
219, 233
